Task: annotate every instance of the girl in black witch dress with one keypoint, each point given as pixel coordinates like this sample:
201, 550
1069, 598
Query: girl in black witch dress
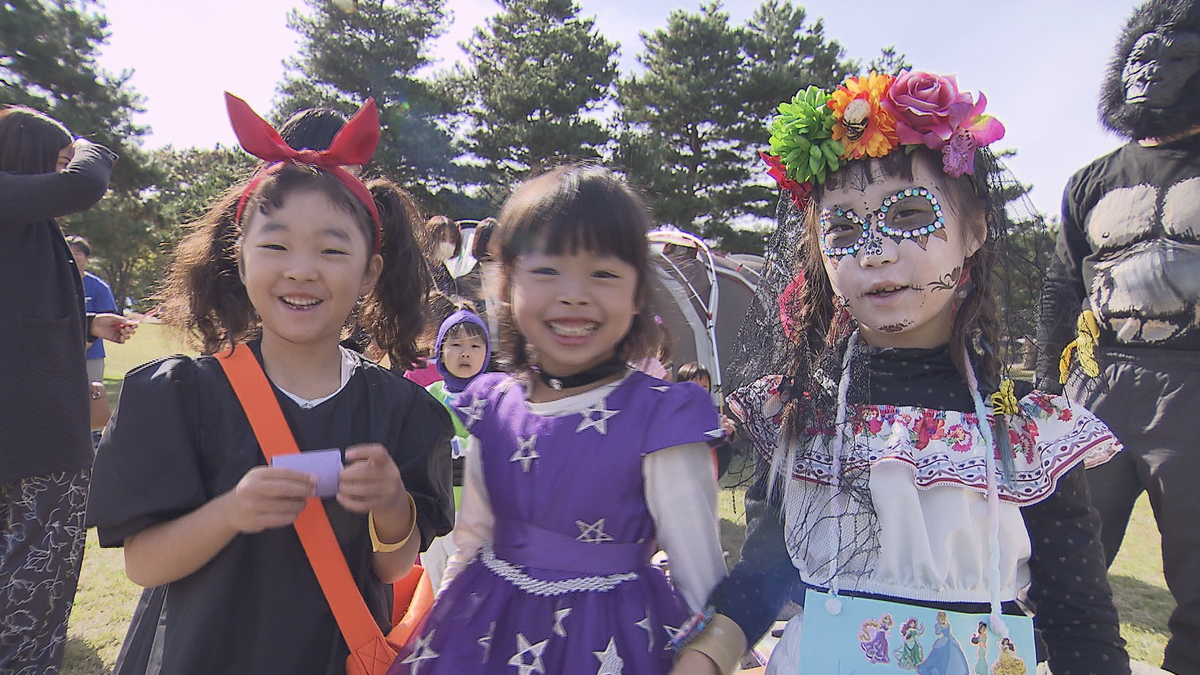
179, 479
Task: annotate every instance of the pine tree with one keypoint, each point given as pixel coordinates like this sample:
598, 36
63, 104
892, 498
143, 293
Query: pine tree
536, 77
374, 49
678, 116
48, 62
693, 123
785, 54
889, 62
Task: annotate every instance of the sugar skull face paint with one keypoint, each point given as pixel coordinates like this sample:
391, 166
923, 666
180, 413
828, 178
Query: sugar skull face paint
912, 213
896, 253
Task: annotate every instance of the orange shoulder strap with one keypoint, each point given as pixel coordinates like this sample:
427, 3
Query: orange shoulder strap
316, 534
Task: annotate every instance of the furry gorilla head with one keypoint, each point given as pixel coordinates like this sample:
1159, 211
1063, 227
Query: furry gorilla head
1176, 26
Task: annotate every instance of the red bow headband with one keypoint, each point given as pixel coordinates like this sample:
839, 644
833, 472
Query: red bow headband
353, 144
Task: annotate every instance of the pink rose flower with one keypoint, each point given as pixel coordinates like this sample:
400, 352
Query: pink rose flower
923, 105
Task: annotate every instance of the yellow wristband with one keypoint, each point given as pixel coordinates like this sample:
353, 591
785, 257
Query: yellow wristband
380, 547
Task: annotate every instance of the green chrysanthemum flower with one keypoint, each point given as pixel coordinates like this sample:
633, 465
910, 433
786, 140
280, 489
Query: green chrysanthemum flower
802, 137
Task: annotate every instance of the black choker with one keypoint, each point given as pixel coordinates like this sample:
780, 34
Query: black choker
606, 369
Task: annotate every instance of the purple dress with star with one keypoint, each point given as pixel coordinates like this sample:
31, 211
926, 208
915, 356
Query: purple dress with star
565, 586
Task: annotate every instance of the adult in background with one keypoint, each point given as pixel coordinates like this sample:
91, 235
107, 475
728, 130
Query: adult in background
443, 241
487, 252
97, 299
46, 449
1126, 297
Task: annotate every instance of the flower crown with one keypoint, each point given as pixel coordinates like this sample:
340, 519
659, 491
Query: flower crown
817, 132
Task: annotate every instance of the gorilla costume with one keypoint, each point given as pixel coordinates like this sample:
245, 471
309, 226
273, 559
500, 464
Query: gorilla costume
1128, 275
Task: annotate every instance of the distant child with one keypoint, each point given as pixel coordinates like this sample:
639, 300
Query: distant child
578, 463
693, 371
180, 481
462, 353
898, 466
696, 373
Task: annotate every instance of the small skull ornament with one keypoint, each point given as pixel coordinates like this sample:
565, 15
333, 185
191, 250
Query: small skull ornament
856, 118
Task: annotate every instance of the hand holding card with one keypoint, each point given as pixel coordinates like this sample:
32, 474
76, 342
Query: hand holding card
326, 465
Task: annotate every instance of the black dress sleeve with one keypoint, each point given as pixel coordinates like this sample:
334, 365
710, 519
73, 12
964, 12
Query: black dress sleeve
31, 198
1074, 612
1064, 292
764, 579
423, 457
146, 469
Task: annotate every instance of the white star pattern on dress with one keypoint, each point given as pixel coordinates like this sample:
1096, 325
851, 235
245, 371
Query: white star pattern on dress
474, 600
661, 387
421, 652
559, 629
671, 634
715, 433
474, 411
644, 624
592, 533
523, 648
611, 663
525, 453
486, 641
599, 422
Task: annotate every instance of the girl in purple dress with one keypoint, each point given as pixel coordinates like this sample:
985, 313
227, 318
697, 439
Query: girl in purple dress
579, 467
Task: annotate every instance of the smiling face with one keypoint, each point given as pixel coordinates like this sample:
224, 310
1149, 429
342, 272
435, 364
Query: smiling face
894, 252
305, 263
573, 308
462, 354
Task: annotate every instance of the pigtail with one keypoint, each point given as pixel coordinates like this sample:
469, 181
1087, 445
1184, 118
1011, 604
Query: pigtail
976, 324
975, 330
203, 294
394, 313
820, 329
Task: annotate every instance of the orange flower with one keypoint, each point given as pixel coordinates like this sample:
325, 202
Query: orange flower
862, 125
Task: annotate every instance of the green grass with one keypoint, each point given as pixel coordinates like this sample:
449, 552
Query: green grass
103, 607
1141, 594
151, 341
106, 598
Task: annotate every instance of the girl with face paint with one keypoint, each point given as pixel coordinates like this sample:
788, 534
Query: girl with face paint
895, 463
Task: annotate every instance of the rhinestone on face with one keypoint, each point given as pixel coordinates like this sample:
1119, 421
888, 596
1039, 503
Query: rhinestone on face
939, 222
880, 217
837, 252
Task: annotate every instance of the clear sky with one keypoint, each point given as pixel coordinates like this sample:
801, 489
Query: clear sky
1040, 62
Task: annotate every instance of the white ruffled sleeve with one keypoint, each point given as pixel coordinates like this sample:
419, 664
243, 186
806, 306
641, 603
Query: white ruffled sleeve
475, 521
681, 493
